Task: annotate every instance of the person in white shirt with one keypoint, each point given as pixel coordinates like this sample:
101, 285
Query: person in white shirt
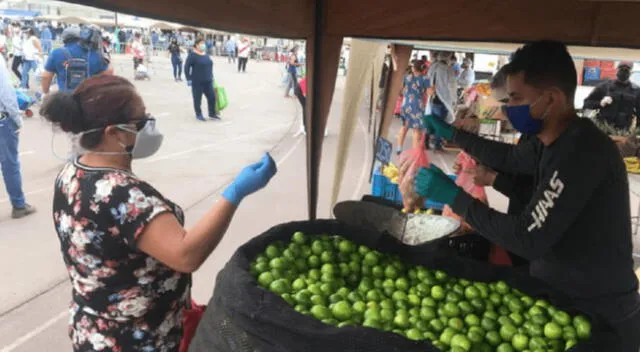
31, 50
244, 49
467, 76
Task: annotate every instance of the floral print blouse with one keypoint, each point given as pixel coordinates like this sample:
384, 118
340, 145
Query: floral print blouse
123, 299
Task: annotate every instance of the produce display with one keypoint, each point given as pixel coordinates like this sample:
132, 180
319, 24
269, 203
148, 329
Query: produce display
344, 284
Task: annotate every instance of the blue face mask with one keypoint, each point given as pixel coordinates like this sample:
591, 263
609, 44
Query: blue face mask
521, 119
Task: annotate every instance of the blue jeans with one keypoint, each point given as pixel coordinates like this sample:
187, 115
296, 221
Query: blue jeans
206, 88
177, 67
46, 46
440, 112
27, 66
10, 163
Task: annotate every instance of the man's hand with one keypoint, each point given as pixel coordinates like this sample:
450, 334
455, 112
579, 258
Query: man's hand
435, 185
483, 176
606, 101
438, 127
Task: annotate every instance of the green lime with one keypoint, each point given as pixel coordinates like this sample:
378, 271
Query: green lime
391, 272
466, 307
401, 283
453, 296
456, 323
472, 320
552, 331
493, 338
359, 307
371, 323
562, 318
299, 238
520, 342
317, 247
438, 293
370, 259
401, 321
447, 335
374, 295
507, 332
289, 299
372, 313
495, 298
427, 313
537, 343
399, 296
536, 330
413, 334
502, 288
451, 310
489, 324
327, 257
265, 279
471, 292
272, 251
436, 325
505, 320
414, 300
387, 315
277, 263
318, 300
583, 328
475, 337
280, 286
346, 246
314, 261
377, 272
516, 318
301, 309
298, 285
569, 333
386, 304
320, 312
441, 276
540, 319
428, 302
516, 306
505, 347
336, 297
341, 311
570, 343
430, 336
461, 341
303, 297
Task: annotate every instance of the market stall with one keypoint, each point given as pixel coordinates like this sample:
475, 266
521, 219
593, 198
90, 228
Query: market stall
260, 289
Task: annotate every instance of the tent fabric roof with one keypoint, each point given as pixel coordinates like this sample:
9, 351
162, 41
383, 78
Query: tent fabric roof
578, 22
324, 24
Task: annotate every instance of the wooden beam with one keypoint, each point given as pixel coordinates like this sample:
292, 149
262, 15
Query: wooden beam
323, 58
401, 55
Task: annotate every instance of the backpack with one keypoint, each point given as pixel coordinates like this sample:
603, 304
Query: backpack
77, 70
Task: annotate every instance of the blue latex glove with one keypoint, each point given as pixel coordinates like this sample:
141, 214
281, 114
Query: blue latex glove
438, 127
435, 185
251, 179
189, 83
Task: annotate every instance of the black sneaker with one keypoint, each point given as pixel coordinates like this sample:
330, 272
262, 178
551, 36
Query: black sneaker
215, 117
18, 213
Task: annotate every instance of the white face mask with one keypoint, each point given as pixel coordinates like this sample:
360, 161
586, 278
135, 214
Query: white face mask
148, 141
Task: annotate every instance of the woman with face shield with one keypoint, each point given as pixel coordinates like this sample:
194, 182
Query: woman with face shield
128, 256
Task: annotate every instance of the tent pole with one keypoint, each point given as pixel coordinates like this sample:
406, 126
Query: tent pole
323, 53
401, 54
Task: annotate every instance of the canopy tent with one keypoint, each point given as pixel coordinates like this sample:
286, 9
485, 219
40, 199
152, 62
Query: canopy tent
324, 23
73, 20
164, 26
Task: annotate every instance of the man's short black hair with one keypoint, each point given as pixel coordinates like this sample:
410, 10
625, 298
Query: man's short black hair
499, 80
545, 63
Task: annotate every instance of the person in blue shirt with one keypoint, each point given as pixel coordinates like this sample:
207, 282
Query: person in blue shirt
230, 47
56, 64
198, 69
154, 41
46, 39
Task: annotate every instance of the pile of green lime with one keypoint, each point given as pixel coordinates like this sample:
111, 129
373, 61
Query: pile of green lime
340, 283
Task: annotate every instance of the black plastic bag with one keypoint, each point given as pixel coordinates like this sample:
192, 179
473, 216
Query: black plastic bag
243, 317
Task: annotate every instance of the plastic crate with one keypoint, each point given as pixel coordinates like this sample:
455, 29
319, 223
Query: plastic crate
381, 186
591, 73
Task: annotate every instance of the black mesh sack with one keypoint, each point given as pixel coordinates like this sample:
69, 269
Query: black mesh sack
243, 317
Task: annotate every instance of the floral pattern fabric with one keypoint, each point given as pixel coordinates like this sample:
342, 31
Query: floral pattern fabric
415, 88
122, 299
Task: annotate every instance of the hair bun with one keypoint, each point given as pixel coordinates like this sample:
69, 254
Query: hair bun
62, 109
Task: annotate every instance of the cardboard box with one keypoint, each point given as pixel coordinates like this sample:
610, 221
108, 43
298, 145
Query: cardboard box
488, 108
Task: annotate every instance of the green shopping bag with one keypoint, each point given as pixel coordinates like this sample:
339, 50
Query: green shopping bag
221, 97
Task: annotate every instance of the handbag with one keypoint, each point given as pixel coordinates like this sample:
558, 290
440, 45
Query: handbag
221, 97
192, 316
